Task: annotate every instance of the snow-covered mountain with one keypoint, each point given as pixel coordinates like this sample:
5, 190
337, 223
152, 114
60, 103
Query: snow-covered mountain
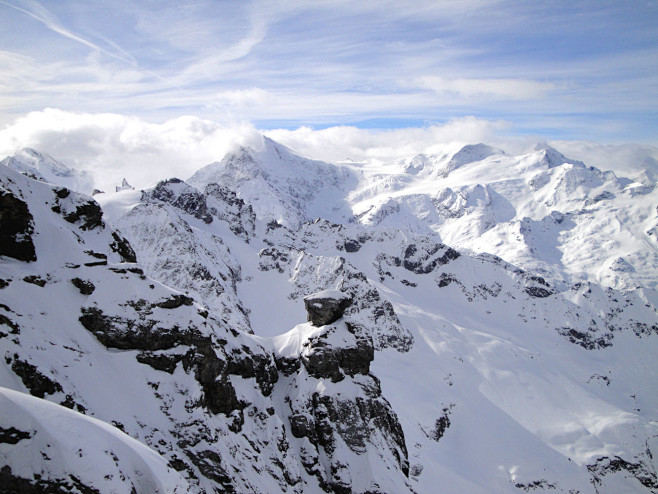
541, 211
281, 185
47, 169
460, 322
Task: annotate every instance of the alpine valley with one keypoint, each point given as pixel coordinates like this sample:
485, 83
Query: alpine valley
465, 322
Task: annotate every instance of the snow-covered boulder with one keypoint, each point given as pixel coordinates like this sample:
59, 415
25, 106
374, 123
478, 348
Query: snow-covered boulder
326, 306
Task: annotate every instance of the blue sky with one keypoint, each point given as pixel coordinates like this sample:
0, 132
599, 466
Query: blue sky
583, 70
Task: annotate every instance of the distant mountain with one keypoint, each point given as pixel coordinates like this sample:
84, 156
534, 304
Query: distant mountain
281, 185
541, 211
47, 169
460, 322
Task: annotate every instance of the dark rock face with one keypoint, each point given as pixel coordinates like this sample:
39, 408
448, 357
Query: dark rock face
129, 334
4, 320
35, 280
326, 361
13, 484
188, 199
174, 302
441, 425
425, 258
351, 245
123, 248
260, 366
89, 213
162, 362
39, 384
538, 292
85, 287
206, 358
325, 418
287, 365
537, 287
640, 470
145, 334
589, 341
13, 435
16, 228
326, 307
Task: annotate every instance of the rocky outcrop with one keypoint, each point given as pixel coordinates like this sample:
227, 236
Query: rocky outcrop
89, 215
641, 471
204, 355
141, 333
12, 482
368, 308
16, 228
424, 258
323, 358
85, 287
177, 193
227, 206
336, 426
122, 247
326, 307
536, 286
78, 209
36, 382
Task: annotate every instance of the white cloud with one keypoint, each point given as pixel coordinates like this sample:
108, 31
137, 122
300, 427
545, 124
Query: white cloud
510, 89
111, 146
625, 160
241, 98
346, 142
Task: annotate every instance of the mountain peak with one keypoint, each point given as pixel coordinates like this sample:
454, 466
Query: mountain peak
552, 157
45, 168
41, 165
470, 153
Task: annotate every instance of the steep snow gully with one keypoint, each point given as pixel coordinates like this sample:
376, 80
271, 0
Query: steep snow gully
465, 322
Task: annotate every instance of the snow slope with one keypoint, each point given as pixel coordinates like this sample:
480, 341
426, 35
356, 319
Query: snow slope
105, 458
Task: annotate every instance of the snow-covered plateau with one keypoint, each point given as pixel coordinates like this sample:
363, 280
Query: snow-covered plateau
464, 322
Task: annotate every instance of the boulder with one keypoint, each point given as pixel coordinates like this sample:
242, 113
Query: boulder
326, 307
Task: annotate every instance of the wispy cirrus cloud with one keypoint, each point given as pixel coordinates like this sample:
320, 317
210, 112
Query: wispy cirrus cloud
583, 65
39, 13
507, 89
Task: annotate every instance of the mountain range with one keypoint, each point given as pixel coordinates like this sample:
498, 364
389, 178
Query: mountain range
460, 322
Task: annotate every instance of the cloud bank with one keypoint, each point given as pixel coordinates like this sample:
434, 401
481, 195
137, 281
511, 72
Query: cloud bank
111, 146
